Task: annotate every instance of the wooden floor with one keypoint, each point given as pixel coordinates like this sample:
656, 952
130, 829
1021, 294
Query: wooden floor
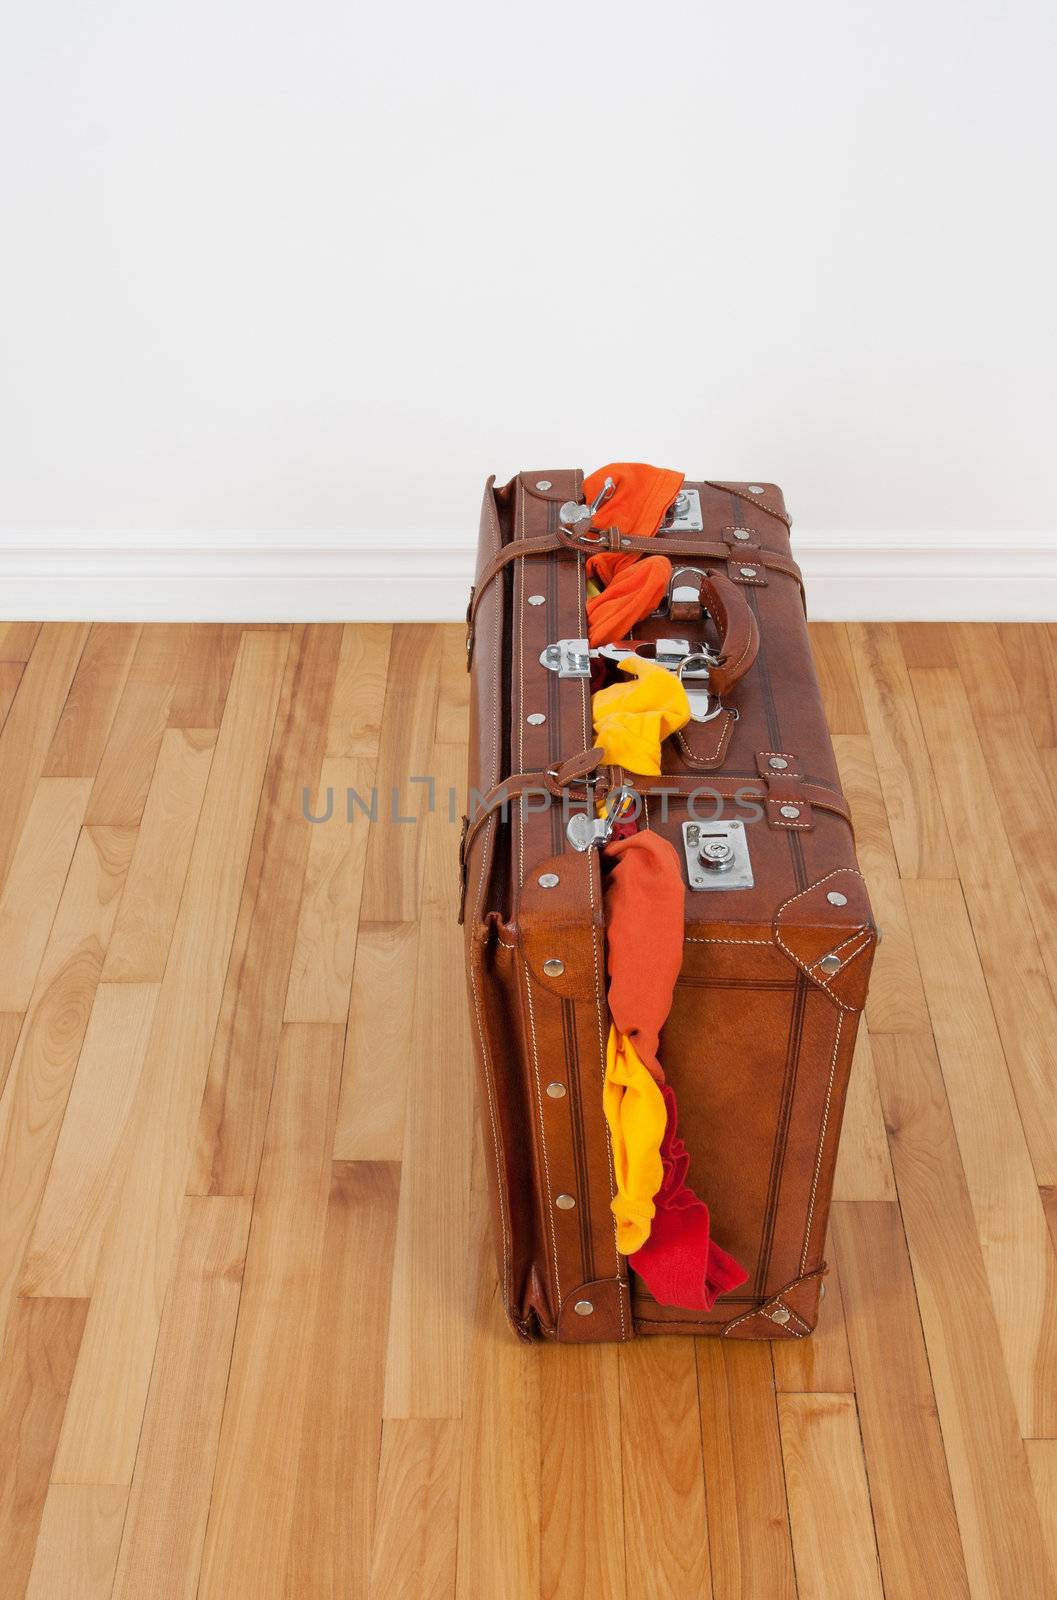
251, 1345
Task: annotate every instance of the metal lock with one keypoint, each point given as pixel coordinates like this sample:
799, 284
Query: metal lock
717, 855
684, 515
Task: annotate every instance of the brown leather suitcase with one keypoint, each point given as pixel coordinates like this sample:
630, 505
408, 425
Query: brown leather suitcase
779, 935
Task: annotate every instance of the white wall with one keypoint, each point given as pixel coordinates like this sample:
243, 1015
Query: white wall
316, 268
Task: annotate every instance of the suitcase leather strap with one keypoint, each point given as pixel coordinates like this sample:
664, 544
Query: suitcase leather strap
581, 777
591, 543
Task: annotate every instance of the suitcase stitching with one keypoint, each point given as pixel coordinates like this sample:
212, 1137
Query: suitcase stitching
476, 1001
822, 1138
543, 1137
726, 729
520, 581
778, 936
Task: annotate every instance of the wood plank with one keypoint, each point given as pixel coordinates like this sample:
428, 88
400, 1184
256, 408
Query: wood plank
77, 746
581, 1509
10, 1028
31, 894
896, 1001
161, 1552
355, 728
864, 1166
92, 1152
1023, 1002
1030, 650
1048, 1196
821, 1364
1019, 779
325, 945
132, 749
17, 640
665, 1524
30, 723
915, 815
835, 666
139, 948
391, 878
1017, 1251
453, 692
78, 1542
378, 1043
337, 1480
926, 644
242, 1061
829, 1503
997, 1516
38, 1084
35, 1373
418, 1499
105, 1412
1042, 1463
10, 678
913, 1507
426, 1367
255, 1488
499, 1484
205, 675
748, 1523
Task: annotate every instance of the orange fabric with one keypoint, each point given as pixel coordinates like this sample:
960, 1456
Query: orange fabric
632, 595
645, 913
641, 496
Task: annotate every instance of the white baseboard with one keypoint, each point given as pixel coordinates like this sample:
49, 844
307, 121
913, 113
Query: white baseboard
425, 576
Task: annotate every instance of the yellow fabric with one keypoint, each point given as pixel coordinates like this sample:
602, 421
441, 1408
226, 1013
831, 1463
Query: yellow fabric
637, 1115
631, 719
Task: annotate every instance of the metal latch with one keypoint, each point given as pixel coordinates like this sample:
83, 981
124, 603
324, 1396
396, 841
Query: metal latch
684, 515
717, 855
691, 663
569, 658
573, 515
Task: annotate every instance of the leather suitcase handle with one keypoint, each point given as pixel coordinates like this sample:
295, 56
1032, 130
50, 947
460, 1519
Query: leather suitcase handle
739, 632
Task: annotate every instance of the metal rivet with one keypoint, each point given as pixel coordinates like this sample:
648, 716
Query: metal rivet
544, 484
779, 1314
548, 880
554, 968
537, 599
742, 533
789, 811
830, 964
755, 488
583, 1308
747, 572
779, 763
835, 898
556, 1090
564, 1202
535, 719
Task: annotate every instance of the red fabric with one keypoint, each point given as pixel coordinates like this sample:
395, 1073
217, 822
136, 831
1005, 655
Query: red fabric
679, 1263
641, 495
644, 904
631, 595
